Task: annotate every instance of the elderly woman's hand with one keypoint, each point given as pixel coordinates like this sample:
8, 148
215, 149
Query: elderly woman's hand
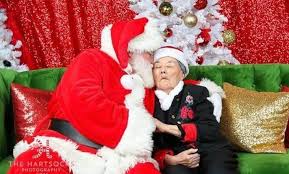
187, 158
160, 126
167, 128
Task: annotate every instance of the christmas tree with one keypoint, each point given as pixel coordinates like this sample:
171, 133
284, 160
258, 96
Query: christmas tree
9, 55
195, 26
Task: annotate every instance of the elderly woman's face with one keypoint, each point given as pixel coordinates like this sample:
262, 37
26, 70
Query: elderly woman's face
167, 73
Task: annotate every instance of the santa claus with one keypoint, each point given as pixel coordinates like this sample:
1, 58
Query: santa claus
90, 115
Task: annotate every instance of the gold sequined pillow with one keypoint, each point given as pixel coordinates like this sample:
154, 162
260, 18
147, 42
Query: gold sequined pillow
255, 121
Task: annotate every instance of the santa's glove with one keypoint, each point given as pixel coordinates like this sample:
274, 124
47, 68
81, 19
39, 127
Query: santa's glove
134, 83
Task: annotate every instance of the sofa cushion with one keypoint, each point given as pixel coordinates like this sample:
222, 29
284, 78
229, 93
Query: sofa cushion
6, 77
29, 107
267, 78
250, 163
239, 75
210, 72
255, 121
242, 76
284, 70
46, 79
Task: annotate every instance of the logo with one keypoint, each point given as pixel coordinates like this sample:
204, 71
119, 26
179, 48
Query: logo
43, 161
42, 149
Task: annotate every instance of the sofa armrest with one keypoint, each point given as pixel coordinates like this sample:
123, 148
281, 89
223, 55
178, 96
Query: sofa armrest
5, 164
6, 77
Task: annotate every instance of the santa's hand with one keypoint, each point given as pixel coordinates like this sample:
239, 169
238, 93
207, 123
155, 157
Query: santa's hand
131, 81
134, 83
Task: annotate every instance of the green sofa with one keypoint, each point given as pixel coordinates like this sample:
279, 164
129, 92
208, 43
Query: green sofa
266, 77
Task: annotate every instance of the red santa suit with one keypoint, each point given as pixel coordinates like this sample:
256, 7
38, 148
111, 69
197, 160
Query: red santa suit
91, 98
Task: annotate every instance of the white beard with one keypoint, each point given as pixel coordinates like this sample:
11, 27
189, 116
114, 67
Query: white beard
143, 68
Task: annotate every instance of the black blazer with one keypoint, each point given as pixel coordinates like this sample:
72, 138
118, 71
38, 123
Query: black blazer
190, 106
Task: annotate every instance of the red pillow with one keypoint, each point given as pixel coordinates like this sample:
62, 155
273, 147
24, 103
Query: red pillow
29, 106
286, 89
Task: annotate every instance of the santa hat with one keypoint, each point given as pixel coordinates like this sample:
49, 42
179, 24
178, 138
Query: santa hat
171, 51
138, 35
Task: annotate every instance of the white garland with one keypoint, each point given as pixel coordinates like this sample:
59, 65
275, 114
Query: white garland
185, 37
9, 55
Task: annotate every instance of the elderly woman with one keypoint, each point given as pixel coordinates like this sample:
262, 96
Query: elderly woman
187, 140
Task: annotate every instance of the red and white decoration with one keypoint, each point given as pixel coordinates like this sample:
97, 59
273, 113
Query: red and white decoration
193, 25
9, 55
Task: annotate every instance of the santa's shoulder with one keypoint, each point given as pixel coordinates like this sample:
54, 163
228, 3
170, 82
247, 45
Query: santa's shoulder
209, 85
92, 57
195, 90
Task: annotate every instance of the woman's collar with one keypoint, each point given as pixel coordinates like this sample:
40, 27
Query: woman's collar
167, 99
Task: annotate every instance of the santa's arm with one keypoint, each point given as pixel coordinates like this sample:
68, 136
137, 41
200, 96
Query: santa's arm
85, 103
216, 93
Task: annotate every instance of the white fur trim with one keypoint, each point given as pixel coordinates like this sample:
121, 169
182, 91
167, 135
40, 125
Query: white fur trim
136, 143
106, 43
137, 138
216, 95
79, 162
216, 100
20, 147
212, 87
132, 81
150, 40
120, 164
167, 99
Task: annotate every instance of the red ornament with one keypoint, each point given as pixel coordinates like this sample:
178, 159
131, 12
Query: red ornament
168, 32
205, 35
201, 4
155, 2
218, 44
200, 60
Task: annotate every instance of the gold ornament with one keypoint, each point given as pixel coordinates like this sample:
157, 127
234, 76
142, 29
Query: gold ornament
223, 62
229, 36
166, 8
190, 20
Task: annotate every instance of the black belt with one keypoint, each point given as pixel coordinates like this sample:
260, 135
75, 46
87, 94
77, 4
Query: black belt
66, 129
